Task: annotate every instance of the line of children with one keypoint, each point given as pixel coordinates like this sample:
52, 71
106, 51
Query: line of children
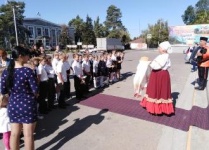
51, 74
105, 69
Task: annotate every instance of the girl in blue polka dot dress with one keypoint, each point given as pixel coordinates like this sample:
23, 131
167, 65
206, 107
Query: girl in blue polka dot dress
20, 83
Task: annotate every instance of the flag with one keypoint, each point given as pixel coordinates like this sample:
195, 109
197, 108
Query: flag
38, 14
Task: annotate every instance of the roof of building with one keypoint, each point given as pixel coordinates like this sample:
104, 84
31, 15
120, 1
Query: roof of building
139, 40
40, 21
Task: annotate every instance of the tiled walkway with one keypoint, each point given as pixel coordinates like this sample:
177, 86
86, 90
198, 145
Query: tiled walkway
181, 120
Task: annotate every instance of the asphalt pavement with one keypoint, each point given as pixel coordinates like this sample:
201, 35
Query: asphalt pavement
109, 118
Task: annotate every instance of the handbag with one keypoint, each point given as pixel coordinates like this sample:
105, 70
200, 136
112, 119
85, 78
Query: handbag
4, 99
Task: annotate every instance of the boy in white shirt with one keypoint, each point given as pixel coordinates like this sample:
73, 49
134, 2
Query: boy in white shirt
86, 71
43, 86
62, 80
95, 71
55, 61
68, 68
78, 77
51, 84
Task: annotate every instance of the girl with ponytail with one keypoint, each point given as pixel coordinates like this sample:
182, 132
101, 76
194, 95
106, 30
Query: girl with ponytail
20, 83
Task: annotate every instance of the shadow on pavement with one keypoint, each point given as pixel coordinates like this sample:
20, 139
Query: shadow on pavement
175, 96
79, 126
53, 121
93, 92
126, 75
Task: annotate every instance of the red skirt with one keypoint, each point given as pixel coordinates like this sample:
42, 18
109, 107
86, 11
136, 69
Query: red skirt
158, 98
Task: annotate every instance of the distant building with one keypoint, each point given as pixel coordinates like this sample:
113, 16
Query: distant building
138, 44
45, 31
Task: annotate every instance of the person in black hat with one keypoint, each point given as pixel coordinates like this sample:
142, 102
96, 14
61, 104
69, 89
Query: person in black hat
203, 63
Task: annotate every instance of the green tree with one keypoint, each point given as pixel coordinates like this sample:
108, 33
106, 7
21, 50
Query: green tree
125, 37
189, 15
202, 17
64, 36
198, 14
99, 29
159, 32
114, 25
78, 24
7, 29
88, 36
202, 5
114, 34
113, 18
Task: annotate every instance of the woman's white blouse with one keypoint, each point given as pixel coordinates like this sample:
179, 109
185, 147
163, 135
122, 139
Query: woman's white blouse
162, 61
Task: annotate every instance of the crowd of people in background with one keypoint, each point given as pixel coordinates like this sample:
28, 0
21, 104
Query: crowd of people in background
44, 80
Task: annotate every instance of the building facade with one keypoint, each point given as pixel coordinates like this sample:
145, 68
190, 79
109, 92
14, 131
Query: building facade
138, 44
45, 31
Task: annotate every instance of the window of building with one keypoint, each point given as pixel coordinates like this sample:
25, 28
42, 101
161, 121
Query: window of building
31, 42
31, 32
46, 32
39, 32
53, 33
58, 32
47, 42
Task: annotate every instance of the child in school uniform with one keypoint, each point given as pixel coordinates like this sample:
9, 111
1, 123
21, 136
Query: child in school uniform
87, 72
67, 67
4, 118
55, 61
51, 84
43, 86
102, 71
110, 69
119, 61
95, 71
62, 80
114, 66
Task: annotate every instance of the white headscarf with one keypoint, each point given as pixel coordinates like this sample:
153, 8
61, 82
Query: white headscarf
166, 46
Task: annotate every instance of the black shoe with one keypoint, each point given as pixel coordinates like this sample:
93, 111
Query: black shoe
49, 109
54, 107
84, 97
62, 107
66, 104
199, 88
69, 96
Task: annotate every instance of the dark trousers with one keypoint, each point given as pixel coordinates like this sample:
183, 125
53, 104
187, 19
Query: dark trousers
43, 91
61, 100
203, 75
194, 65
68, 95
87, 83
78, 87
51, 92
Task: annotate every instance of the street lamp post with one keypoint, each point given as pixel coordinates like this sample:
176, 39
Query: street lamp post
15, 24
159, 32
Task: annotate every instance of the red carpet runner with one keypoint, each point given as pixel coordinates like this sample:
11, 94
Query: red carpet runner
128, 107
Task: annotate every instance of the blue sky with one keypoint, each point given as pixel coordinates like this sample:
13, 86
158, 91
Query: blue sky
136, 14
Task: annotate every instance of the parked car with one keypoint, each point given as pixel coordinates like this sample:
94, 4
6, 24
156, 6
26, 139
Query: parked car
188, 53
